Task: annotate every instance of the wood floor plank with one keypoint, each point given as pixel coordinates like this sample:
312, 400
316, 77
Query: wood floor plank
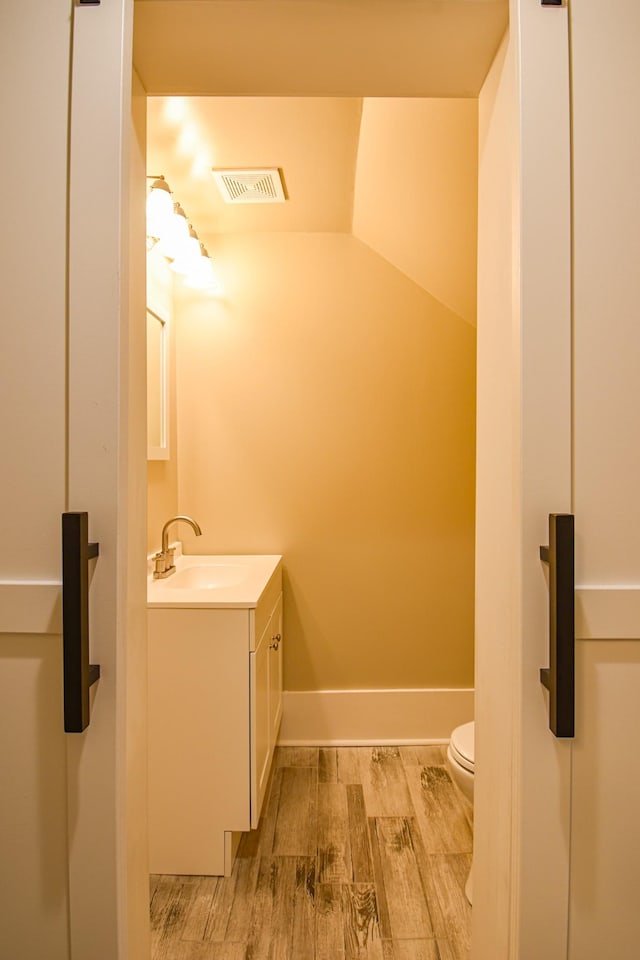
329, 922
348, 763
411, 950
408, 911
296, 826
265, 923
452, 951
361, 863
304, 909
439, 810
384, 919
169, 909
384, 783
424, 755
334, 844
221, 907
281, 927
360, 919
208, 951
394, 895
199, 910
296, 756
424, 862
283, 918
327, 765
445, 876
246, 880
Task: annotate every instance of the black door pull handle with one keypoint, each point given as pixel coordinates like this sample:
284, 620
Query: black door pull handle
79, 674
559, 676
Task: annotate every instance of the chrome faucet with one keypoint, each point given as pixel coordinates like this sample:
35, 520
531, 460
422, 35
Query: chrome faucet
163, 560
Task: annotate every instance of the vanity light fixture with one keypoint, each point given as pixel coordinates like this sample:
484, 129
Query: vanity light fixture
173, 238
168, 226
159, 207
201, 275
187, 251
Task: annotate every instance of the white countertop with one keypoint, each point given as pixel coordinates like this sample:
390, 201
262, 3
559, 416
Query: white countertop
229, 581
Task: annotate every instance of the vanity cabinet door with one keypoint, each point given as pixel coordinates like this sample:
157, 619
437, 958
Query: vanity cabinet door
275, 675
266, 706
260, 752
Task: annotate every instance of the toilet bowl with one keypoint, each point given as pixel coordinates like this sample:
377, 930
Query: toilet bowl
461, 766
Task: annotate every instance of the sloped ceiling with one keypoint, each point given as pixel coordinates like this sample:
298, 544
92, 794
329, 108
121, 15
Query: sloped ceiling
416, 195
389, 48
314, 141
397, 168
400, 174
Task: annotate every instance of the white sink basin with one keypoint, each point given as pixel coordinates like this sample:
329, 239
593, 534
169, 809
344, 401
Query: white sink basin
208, 576
213, 581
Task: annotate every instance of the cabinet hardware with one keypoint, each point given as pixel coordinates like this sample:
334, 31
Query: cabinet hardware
275, 641
79, 674
559, 676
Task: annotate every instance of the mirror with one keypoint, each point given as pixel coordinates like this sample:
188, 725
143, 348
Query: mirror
157, 387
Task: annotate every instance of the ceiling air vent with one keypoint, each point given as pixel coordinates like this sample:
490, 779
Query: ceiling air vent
250, 186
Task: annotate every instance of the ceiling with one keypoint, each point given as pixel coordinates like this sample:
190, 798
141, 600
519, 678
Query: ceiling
387, 48
282, 83
314, 141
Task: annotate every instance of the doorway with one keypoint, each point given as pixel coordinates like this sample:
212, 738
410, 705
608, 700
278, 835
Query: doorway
279, 91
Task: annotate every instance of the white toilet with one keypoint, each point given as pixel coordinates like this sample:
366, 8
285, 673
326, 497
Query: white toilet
461, 766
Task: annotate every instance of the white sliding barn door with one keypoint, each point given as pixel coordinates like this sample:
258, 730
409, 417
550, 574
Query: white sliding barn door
605, 838
556, 845
522, 794
71, 837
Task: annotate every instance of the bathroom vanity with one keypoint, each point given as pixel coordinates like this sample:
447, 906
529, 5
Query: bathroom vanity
215, 704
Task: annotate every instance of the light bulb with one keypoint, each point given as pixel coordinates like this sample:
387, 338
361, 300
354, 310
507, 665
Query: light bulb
186, 253
175, 234
201, 276
159, 208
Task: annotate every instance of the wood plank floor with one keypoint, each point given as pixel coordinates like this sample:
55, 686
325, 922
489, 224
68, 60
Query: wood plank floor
361, 852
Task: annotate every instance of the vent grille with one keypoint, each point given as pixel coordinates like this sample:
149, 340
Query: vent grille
250, 186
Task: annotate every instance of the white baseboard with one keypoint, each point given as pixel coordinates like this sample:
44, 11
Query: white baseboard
372, 717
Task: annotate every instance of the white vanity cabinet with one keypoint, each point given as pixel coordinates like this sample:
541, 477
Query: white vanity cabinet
215, 702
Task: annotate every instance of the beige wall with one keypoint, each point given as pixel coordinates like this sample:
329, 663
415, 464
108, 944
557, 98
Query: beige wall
326, 412
416, 193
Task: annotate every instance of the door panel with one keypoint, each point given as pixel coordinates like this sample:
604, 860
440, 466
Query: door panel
606, 132
605, 841
100, 774
69, 405
34, 67
33, 820
523, 474
605, 849
543, 769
